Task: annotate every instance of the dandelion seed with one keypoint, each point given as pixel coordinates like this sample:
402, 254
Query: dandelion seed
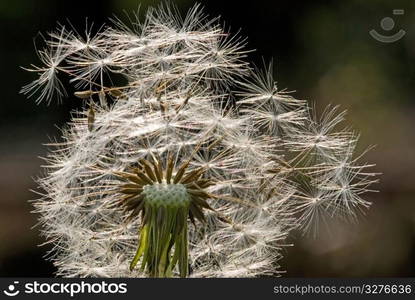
91, 118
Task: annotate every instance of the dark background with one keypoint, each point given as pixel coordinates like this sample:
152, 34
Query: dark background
322, 50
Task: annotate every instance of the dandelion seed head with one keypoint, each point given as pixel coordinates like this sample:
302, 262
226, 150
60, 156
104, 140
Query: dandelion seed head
196, 166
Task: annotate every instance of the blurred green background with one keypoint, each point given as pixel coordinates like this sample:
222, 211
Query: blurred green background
322, 50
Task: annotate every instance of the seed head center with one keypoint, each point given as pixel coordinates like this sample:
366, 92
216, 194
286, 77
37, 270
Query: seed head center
168, 195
